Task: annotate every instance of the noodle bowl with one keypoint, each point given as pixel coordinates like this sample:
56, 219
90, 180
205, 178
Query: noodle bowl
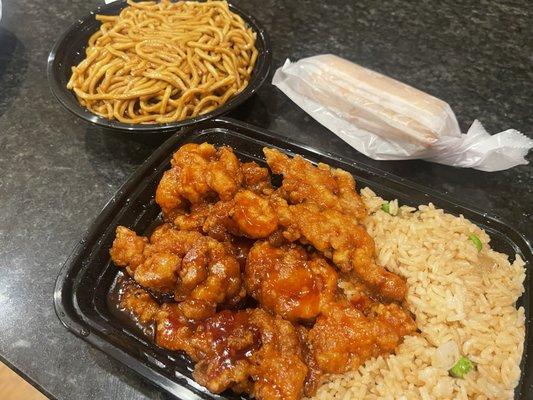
164, 62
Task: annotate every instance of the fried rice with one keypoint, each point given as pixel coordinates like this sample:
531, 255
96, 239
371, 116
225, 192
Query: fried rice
464, 301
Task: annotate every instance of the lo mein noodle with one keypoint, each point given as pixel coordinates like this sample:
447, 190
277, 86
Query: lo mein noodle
164, 62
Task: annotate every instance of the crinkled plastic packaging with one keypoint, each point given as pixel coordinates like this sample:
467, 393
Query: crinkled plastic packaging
389, 120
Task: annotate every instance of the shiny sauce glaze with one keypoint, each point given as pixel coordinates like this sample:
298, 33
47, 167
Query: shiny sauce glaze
126, 317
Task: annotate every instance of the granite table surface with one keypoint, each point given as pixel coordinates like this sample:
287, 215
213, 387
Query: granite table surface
57, 172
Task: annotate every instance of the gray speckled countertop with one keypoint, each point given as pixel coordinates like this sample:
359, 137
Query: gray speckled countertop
56, 172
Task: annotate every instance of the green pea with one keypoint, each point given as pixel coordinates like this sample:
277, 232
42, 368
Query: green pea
476, 242
461, 367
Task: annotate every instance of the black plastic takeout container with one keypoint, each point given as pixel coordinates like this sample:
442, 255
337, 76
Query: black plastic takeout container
69, 50
86, 277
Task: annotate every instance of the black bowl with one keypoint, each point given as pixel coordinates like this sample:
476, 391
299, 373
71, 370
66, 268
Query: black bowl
69, 50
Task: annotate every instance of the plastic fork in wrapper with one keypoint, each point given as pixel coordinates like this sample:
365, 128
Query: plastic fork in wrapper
388, 120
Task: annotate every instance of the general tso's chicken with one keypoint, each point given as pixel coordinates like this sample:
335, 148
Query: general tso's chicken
289, 281
254, 215
319, 206
166, 238
209, 190
343, 337
212, 219
199, 173
138, 301
173, 329
256, 178
222, 345
329, 188
128, 249
250, 351
200, 271
248, 214
247, 351
229, 233
343, 240
278, 371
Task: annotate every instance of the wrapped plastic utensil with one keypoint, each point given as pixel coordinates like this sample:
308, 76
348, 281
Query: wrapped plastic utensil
389, 120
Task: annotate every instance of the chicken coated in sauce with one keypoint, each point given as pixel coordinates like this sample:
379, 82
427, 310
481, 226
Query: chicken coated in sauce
248, 214
200, 271
343, 337
191, 195
252, 344
173, 329
199, 172
248, 351
304, 327
329, 188
289, 281
319, 206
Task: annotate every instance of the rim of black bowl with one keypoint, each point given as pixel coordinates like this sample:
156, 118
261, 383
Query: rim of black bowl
70, 102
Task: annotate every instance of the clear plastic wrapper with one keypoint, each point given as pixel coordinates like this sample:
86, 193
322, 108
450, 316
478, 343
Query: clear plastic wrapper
389, 120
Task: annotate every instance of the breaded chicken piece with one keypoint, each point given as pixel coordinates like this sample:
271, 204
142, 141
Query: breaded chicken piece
138, 302
248, 214
210, 191
343, 337
209, 274
289, 281
173, 329
128, 249
200, 271
250, 351
254, 215
278, 371
342, 240
247, 351
319, 206
329, 188
200, 172
212, 219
